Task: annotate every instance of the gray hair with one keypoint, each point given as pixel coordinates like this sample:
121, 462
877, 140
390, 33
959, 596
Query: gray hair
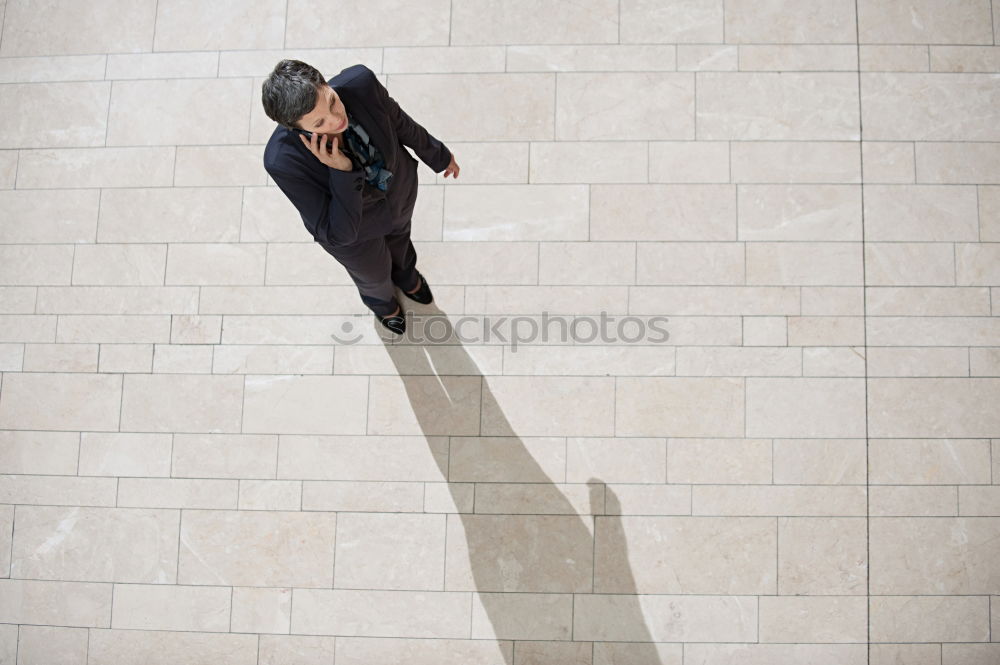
290, 91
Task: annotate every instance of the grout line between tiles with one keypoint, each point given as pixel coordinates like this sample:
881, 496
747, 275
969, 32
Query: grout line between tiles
864, 319
156, 15
284, 30
993, 21
619, 21
3, 24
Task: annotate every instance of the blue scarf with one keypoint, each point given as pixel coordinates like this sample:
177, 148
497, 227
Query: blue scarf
366, 155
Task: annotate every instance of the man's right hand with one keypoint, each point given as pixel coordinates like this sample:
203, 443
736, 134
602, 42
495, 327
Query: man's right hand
331, 155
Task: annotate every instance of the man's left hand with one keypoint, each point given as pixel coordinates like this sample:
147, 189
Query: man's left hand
452, 168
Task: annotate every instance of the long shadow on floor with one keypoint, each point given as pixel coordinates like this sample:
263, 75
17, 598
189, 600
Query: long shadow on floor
537, 544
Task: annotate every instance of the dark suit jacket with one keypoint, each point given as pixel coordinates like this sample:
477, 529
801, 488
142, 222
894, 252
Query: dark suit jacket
340, 207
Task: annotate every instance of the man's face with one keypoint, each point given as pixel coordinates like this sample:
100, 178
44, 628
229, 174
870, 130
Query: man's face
328, 116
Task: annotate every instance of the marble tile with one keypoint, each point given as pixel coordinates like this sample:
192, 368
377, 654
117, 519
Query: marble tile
547, 212
38, 69
678, 406
497, 106
690, 263
765, 500
682, 21
41, 217
816, 619
370, 545
119, 264
172, 607
894, 58
131, 121
707, 58
799, 212
621, 460
221, 166
304, 404
96, 544
62, 490
799, 57
662, 212
918, 501
821, 556
929, 618
270, 611
920, 213
526, 616
80, 604
445, 651
587, 57
977, 264
161, 647
918, 407
492, 553
777, 106
805, 407
921, 107
736, 361
96, 167
522, 21
443, 59
52, 644
819, 263
671, 555
933, 555
787, 162
209, 539
68, 27
588, 161
22, 103
378, 613
689, 161
924, 21
581, 406
259, 24
193, 64
586, 263
43, 453
58, 401
909, 263
181, 403
927, 301
413, 25
641, 106
788, 21
958, 163
760, 654
672, 618
888, 162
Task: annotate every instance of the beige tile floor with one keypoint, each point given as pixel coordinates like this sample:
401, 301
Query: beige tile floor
195, 469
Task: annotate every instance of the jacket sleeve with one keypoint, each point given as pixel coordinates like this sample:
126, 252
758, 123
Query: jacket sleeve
332, 214
430, 150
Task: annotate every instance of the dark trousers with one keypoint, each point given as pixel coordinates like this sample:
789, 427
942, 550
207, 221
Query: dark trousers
379, 264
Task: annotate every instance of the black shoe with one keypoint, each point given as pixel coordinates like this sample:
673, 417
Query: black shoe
422, 295
396, 324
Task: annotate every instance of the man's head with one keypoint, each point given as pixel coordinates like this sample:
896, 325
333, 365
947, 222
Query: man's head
297, 96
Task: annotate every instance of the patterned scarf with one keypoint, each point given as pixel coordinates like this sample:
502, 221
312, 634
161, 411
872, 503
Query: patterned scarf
366, 155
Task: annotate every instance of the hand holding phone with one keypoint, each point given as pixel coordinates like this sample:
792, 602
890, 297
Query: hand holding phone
330, 154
